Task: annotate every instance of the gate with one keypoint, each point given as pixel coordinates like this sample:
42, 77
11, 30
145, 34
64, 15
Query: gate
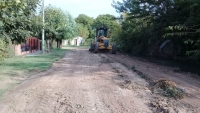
32, 44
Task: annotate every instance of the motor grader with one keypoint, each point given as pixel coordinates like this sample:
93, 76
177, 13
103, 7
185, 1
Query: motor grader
102, 41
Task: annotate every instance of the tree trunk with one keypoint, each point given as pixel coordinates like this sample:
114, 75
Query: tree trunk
51, 44
57, 43
60, 43
48, 49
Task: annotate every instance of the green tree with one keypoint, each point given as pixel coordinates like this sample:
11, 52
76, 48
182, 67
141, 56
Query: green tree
187, 26
104, 21
58, 25
15, 18
85, 22
36, 26
107, 21
146, 22
15, 22
83, 31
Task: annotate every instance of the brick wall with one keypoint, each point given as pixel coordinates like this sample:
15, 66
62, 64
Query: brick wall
33, 43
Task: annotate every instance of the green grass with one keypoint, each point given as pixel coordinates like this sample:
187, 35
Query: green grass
14, 65
3, 91
25, 66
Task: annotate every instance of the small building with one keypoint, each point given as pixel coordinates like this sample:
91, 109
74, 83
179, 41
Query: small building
76, 41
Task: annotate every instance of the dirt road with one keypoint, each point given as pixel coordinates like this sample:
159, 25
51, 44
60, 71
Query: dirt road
83, 82
188, 82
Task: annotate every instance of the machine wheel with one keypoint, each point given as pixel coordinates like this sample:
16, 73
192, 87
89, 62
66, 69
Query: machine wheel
96, 47
114, 47
91, 47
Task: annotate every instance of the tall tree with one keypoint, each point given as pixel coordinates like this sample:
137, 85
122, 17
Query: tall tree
15, 22
107, 21
83, 31
15, 18
148, 21
84, 22
58, 25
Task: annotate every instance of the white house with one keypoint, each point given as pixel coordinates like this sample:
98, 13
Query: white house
75, 41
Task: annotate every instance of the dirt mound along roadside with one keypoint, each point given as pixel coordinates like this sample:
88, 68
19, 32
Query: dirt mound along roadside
168, 88
151, 72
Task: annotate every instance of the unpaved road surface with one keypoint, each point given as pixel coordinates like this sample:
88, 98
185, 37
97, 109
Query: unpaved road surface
83, 82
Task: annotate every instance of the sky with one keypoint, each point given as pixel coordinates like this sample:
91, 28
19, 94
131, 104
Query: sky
91, 8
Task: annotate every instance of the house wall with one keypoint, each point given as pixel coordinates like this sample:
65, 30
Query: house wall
65, 42
79, 40
17, 49
72, 41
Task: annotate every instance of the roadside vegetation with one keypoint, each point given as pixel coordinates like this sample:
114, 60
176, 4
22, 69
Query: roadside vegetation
16, 23
160, 28
19, 19
38, 62
16, 69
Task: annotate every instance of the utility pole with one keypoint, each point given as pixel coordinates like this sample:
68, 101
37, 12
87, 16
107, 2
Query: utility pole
43, 27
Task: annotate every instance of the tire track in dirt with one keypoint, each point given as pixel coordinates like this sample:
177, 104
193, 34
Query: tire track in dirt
94, 103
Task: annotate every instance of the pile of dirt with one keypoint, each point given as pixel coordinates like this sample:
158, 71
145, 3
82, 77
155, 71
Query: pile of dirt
167, 88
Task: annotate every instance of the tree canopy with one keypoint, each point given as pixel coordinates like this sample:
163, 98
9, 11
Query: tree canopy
15, 23
108, 21
15, 18
19, 20
160, 28
59, 25
104, 21
85, 29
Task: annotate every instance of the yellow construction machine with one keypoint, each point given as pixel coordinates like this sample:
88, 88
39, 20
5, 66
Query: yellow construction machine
102, 42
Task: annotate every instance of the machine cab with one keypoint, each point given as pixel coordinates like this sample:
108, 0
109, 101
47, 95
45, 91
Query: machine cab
101, 32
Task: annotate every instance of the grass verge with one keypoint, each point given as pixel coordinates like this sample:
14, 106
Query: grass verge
38, 62
15, 68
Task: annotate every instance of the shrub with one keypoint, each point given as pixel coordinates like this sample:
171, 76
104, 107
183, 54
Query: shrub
5, 48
